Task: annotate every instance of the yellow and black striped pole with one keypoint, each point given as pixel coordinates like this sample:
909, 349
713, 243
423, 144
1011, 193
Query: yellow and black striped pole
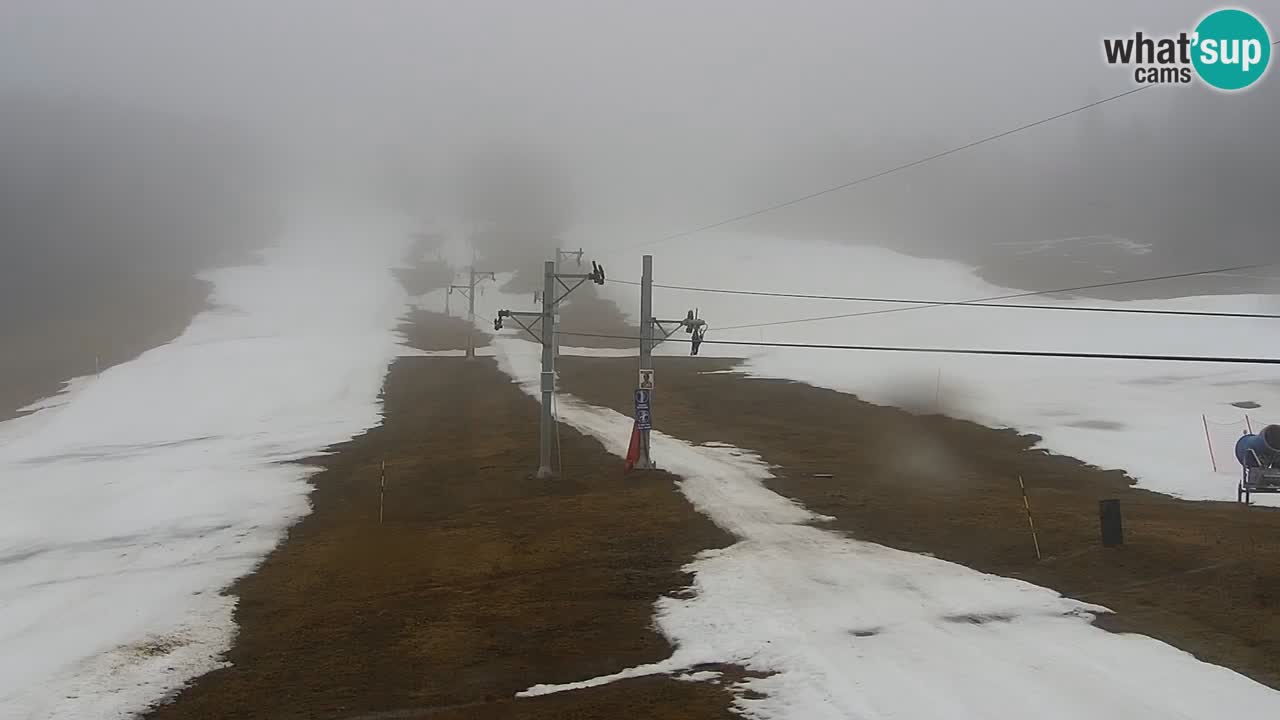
1027, 504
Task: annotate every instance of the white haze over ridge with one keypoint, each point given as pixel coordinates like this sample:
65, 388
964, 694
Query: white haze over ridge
666, 114
1141, 416
135, 498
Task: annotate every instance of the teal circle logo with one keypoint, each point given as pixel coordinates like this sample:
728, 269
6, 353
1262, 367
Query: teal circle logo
1231, 49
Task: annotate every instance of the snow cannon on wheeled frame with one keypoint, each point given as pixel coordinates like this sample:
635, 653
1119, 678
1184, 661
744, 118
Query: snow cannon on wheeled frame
1259, 456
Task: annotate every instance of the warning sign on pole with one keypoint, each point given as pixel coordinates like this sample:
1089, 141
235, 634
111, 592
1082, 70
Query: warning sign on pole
644, 420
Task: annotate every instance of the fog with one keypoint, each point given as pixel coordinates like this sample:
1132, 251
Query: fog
176, 130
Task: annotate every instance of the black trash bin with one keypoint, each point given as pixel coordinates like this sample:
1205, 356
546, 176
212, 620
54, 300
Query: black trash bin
1112, 523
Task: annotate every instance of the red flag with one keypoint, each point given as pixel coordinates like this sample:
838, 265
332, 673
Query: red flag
633, 450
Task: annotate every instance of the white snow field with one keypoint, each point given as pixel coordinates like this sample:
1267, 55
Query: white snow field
853, 630
135, 497
1140, 416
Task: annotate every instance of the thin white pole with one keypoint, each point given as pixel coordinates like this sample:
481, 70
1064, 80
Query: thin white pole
1209, 443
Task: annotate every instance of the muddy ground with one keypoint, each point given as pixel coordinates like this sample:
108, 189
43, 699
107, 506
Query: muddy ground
1202, 576
478, 582
81, 328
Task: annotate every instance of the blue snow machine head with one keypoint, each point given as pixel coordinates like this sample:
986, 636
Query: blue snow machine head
1261, 449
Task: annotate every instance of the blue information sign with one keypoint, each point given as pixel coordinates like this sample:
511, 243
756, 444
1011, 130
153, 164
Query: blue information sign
644, 420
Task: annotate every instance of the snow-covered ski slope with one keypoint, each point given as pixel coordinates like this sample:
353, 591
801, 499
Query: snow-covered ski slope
135, 497
853, 630
1141, 416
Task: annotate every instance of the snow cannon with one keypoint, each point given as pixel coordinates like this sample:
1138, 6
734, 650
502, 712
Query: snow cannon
1261, 449
1259, 456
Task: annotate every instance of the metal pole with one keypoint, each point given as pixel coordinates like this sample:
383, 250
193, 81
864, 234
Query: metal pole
548, 368
1208, 442
471, 316
471, 295
1027, 504
646, 349
555, 317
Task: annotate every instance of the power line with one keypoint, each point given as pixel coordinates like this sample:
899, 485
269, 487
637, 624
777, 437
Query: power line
967, 351
1000, 297
890, 171
896, 169
970, 303
980, 301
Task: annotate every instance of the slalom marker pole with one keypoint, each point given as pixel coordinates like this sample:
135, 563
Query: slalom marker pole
1209, 443
1026, 503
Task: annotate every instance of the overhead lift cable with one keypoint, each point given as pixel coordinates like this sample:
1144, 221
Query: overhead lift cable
890, 171
967, 351
985, 303
996, 298
899, 168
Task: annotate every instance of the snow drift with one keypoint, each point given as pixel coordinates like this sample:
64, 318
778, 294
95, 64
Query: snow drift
136, 496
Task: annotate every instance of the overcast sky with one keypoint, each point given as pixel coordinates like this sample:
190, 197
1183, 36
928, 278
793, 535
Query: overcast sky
661, 113
583, 73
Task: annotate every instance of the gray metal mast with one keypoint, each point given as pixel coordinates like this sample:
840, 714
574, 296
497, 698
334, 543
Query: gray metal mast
650, 328
555, 317
548, 366
646, 349
547, 332
471, 316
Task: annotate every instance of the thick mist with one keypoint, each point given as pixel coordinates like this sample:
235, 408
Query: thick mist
106, 215
619, 122
84, 183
